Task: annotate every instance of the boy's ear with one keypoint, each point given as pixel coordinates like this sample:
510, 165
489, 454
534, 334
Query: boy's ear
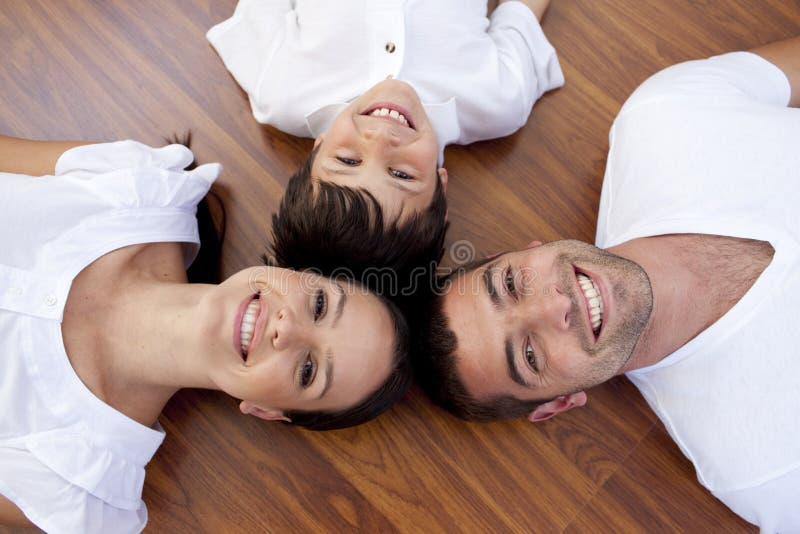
268, 414
443, 177
320, 138
556, 406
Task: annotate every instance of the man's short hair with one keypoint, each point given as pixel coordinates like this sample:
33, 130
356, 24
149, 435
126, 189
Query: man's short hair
435, 364
341, 231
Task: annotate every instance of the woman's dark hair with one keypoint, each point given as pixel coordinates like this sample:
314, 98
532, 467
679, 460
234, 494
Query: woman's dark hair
206, 268
379, 400
341, 231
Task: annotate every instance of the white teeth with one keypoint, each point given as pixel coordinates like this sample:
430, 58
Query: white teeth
594, 299
386, 112
248, 324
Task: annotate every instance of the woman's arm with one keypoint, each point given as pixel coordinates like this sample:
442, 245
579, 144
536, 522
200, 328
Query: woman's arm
36, 158
12, 516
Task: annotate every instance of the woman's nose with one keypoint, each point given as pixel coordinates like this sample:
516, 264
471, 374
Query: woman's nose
284, 333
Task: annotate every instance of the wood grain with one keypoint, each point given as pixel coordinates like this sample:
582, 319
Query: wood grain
110, 69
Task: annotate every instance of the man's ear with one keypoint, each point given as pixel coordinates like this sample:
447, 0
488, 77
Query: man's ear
443, 177
534, 244
268, 414
556, 406
320, 138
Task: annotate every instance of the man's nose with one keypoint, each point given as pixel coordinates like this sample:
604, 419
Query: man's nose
553, 307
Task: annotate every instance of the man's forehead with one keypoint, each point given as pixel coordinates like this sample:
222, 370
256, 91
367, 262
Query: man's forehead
479, 335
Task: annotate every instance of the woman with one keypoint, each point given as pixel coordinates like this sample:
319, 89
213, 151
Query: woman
98, 329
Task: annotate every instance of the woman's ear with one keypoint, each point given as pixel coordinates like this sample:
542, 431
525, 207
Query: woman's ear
318, 141
268, 414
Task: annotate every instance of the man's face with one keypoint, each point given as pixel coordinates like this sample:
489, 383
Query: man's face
547, 321
383, 142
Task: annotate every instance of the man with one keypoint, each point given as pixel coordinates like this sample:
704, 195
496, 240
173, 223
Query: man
692, 293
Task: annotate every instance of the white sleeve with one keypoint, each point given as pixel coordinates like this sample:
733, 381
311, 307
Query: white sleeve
246, 41
528, 67
737, 76
773, 506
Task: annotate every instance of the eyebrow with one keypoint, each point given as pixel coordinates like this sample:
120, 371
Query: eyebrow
490, 289
328, 373
339, 305
402, 187
512, 368
346, 172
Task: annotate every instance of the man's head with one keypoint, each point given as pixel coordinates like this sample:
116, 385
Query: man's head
526, 332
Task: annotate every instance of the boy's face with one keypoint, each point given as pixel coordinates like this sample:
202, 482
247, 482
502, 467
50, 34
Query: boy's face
383, 142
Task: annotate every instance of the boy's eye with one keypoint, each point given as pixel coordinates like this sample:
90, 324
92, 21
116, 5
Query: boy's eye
320, 304
348, 161
307, 372
400, 174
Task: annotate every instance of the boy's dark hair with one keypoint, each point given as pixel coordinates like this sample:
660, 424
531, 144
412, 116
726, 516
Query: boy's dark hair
434, 358
341, 231
380, 400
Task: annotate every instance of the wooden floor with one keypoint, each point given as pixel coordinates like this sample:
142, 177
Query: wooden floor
106, 70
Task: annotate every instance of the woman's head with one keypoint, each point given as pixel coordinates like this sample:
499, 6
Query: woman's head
303, 348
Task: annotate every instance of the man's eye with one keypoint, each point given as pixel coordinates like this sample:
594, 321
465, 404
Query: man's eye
307, 372
348, 161
400, 174
508, 282
320, 305
530, 356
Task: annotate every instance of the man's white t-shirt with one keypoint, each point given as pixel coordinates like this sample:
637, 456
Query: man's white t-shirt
301, 61
70, 462
709, 147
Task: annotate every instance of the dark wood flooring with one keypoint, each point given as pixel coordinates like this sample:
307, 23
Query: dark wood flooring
113, 69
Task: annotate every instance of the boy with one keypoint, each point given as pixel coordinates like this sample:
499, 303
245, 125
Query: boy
382, 86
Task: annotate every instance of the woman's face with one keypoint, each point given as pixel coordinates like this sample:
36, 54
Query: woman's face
283, 340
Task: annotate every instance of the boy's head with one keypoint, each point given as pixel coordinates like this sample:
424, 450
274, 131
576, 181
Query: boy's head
384, 143
370, 201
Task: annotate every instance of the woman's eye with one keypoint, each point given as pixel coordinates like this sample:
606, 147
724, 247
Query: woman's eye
508, 282
530, 356
348, 161
400, 174
307, 372
320, 305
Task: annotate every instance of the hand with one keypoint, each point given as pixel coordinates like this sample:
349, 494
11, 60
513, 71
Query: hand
537, 6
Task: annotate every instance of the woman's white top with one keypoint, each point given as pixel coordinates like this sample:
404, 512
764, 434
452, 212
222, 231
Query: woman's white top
69, 461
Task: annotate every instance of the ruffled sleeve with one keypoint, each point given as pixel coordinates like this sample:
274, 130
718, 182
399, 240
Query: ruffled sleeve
131, 174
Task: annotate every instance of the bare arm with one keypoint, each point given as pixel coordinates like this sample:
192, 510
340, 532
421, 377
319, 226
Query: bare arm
12, 516
786, 56
36, 158
537, 6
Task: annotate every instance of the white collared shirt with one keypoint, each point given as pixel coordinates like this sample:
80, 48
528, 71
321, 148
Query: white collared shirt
301, 61
69, 461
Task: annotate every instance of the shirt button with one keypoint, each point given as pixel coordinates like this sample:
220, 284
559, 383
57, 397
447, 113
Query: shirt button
50, 300
390, 47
